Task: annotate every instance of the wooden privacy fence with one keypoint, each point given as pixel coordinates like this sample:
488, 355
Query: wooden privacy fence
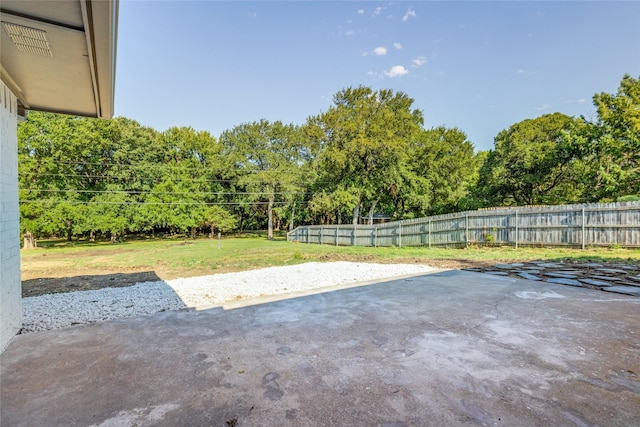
597, 224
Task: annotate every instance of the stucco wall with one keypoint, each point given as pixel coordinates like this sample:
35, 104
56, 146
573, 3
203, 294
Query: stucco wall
10, 286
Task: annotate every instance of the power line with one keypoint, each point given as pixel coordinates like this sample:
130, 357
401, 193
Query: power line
65, 175
141, 178
165, 165
45, 201
210, 193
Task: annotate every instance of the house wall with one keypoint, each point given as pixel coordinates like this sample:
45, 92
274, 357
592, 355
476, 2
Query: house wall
10, 285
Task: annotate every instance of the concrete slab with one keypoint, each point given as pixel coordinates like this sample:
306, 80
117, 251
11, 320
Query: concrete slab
627, 290
528, 276
452, 348
560, 274
607, 278
593, 282
563, 281
497, 273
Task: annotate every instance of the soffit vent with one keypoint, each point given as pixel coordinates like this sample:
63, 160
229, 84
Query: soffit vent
27, 39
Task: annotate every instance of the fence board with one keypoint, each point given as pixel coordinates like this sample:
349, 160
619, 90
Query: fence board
597, 224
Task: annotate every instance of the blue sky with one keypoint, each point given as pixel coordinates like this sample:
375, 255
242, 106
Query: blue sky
479, 66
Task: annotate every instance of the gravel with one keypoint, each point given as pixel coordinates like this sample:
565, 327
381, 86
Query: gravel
60, 310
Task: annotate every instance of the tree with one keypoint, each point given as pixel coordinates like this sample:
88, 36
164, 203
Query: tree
531, 163
613, 143
62, 163
268, 157
363, 140
444, 159
217, 218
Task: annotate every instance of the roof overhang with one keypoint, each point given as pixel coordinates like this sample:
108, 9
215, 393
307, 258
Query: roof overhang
60, 55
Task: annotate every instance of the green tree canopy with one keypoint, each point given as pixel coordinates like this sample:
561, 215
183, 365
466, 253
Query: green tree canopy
531, 163
363, 140
614, 143
268, 157
367, 152
444, 159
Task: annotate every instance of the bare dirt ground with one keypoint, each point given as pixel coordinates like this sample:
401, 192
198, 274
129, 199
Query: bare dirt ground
69, 280
74, 282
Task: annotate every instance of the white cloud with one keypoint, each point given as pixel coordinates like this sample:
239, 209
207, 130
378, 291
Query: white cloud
360, 11
396, 70
440, 73
377, 11
252, 14
349, 33
524, 72
543, 107
397, 46
419, 61
380, 50
410, 14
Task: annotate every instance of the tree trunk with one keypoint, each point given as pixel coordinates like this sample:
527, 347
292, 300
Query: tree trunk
270, 214
69, 230
92, 235
356, 214
114, 237
293, 214
29, 241
371, 211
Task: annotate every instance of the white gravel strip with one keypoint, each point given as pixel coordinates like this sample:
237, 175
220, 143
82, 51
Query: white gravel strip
60, 310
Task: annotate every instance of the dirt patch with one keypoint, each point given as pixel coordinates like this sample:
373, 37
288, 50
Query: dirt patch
54, 285
451, 263
67, 279
61, 279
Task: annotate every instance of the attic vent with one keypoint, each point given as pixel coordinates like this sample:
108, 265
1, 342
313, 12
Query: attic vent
28, 39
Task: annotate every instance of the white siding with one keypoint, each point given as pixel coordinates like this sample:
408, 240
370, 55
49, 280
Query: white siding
10, 286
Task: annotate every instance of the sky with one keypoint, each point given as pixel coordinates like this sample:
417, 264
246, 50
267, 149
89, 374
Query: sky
478, 66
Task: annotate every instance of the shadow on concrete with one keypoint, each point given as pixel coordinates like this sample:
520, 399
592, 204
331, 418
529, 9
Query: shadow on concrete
52, 285
450, 348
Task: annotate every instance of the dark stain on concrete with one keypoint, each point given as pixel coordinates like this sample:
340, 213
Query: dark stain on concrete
271, 386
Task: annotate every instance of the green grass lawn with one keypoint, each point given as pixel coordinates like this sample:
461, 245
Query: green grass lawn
172, 258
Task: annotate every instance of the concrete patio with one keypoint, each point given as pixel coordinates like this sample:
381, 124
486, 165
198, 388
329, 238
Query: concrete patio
449, 348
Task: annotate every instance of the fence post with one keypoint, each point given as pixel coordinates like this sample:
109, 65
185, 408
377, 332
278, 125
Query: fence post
516, 229
375, 238
337, 235
466, 229
429, 234
353, 236
320, 236
400, 235
583, 230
